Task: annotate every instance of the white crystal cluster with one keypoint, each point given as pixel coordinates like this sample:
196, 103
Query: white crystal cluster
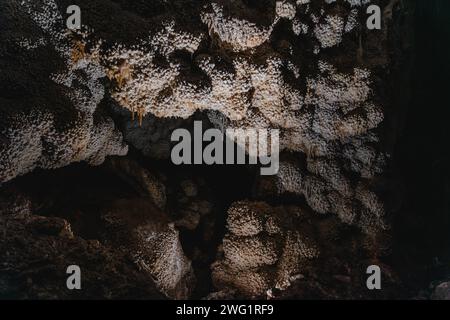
328, 115
326, 188
263, 249
239, 33
153, 244
33, 140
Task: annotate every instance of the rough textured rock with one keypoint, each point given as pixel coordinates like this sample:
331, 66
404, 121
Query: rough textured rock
152, 136
153, 244
35, 252
308, 68
326, 189
441, 292
264, 249
290, 252
48, 113
96, 224
144, 182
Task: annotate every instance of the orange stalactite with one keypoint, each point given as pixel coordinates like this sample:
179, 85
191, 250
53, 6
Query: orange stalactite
140, 115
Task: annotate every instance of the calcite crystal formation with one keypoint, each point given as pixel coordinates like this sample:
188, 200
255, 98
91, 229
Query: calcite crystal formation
326, 189
264, 248
153, 244
297, 66
48, 115
309, 68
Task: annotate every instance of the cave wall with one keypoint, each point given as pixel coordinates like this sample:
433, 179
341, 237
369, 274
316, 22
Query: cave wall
311, 69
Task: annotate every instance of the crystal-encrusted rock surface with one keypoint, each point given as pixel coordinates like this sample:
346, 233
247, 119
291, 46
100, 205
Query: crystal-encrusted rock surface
139, 69
309, 68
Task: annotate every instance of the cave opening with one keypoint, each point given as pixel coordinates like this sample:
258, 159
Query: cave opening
81, 194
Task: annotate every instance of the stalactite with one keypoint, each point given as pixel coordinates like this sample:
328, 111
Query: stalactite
140, 118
